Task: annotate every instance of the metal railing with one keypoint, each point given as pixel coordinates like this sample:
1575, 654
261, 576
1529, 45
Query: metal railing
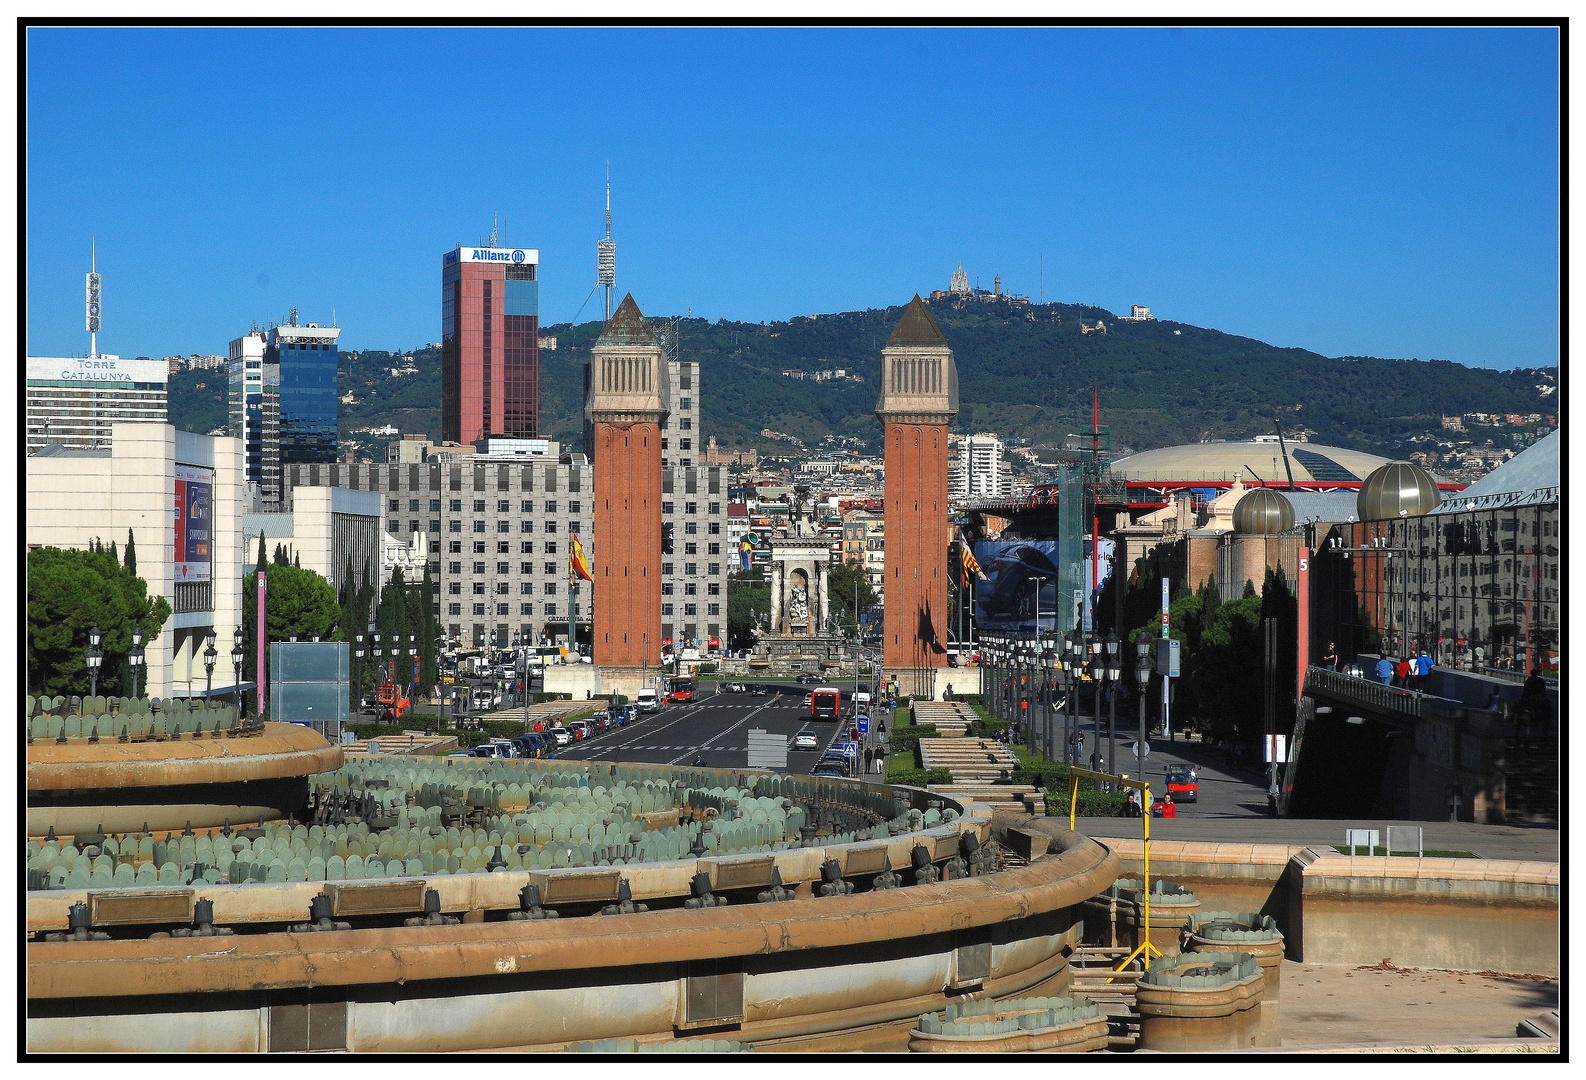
1365, 692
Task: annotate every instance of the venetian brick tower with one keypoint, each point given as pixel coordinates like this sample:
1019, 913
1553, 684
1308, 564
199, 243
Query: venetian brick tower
625, 401
919, 398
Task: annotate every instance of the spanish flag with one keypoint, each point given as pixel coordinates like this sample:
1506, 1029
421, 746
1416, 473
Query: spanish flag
579, 566
967, 560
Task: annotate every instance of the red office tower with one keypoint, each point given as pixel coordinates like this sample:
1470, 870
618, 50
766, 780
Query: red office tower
919, 398
626, 388
490, 343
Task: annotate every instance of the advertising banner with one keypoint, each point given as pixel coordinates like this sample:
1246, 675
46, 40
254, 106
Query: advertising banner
194, 545
1007, 601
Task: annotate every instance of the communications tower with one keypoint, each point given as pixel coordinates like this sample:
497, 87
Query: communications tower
606, 253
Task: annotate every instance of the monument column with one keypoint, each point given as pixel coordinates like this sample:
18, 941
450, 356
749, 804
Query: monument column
626, 400
776, 597
823, 574
919, 398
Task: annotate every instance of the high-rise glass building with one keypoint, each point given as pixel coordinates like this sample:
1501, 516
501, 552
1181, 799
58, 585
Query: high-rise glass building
283, 402
490, 343
307, 356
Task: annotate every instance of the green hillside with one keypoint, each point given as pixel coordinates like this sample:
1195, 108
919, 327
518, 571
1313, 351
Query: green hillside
1025, 371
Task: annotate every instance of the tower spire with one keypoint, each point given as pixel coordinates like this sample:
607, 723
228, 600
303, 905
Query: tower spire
606, 252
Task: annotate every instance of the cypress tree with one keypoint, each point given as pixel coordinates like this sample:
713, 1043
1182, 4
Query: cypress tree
131, 559
259, 568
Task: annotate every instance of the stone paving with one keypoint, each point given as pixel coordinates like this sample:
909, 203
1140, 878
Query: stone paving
1327, 1005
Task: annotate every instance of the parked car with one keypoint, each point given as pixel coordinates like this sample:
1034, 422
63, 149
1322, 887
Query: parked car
581, 729
806, 740
831, 768
561, 735
599, 721
760, 691
505, 748
529, 745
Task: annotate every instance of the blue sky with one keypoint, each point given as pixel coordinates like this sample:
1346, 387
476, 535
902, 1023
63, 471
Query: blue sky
1377, 192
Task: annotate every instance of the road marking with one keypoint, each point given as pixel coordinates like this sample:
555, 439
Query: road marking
746, 718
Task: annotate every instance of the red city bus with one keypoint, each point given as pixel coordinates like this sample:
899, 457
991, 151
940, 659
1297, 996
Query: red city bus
825, 703
679, 690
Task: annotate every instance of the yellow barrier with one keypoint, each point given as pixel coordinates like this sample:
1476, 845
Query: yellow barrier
1144, 788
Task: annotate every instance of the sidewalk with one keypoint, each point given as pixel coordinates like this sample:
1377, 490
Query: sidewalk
1485, 841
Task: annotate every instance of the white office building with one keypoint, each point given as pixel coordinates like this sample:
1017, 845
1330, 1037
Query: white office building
72, 401
180, 496
979, 470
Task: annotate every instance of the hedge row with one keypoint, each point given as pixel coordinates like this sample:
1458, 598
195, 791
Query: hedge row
919, 777
908, 738
1091, 803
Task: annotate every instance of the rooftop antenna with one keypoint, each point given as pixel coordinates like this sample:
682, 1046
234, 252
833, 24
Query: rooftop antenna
93, 298
494, 222
606, 252
291, 316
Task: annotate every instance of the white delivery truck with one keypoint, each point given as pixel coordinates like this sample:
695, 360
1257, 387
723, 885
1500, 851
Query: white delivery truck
648, 700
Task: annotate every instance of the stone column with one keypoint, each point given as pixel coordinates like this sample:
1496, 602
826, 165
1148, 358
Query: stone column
823, 576
776, 596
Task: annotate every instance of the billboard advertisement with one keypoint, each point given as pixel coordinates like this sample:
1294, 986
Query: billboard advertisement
195, 515
1006, 601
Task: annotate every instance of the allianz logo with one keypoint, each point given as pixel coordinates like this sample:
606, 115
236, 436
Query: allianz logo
488, 255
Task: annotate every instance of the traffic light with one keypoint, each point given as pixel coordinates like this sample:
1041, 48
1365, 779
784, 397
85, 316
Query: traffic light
666, 538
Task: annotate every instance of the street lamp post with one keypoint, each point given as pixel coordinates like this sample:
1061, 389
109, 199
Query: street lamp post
357, 653
1114, 671
1142, 676
236, 669
135, 659
209, 664
1048, 670
96, 656
1070, 688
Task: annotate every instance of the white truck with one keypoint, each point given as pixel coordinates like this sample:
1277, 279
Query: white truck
648, 700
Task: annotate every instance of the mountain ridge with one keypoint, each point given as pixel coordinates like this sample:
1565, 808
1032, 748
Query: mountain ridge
1025, 371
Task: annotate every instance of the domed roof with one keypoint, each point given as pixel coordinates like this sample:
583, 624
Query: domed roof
1263, 512
1397, 489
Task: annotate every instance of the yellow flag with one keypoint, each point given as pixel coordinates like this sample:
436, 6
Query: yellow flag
580, 564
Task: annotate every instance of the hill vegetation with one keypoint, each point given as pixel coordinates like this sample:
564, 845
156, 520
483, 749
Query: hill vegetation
1024, 370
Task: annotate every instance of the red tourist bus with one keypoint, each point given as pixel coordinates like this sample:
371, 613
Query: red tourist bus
825, 703
678, 690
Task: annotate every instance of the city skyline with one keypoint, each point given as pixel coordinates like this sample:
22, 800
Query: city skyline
1372, 192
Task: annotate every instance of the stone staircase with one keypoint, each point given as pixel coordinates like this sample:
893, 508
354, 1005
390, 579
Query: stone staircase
978, 766
1531, 781
951, 718
1095, 979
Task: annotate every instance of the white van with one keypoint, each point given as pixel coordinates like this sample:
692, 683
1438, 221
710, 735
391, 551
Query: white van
862, 703
648, 700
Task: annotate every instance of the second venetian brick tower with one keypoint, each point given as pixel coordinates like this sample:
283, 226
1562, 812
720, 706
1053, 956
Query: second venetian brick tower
919, 398
626, 401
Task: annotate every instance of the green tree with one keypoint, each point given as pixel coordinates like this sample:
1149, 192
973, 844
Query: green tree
69, 592
260, 564
297, 602
130, 559
427, 630
746, 594
1229, 670
841, 584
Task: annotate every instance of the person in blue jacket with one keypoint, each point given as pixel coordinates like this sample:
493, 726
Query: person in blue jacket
1385, 671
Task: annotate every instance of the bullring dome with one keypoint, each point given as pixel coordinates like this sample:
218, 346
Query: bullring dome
1263, 512
1397, 489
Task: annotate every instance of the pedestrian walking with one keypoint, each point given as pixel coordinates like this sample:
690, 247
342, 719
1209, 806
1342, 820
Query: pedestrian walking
1423, 671
1330, 657
1385, 671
